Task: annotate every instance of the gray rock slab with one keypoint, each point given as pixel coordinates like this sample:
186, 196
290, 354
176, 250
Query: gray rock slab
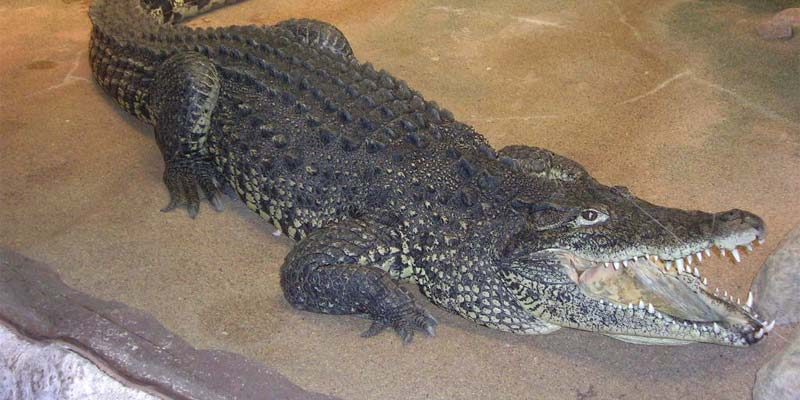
45, 371
127, 342
779, 379
775, 289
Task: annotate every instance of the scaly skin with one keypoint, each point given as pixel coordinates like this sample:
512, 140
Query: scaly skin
379, 185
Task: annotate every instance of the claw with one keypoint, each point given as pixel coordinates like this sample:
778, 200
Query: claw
216, 202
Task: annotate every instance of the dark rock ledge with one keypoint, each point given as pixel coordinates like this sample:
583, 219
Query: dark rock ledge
128, 343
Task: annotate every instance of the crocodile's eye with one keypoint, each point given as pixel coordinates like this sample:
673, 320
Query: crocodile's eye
591, 216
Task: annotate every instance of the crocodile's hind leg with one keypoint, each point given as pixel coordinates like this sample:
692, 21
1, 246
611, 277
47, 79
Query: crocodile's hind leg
185, 91
321, 35
342, 269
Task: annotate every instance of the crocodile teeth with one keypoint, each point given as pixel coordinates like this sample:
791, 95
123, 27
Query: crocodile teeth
625, 263
616, 265
749, 302
650, 308
759, 333
761, 241
689, 259
749, 248
641, 304
668, 265
736, 256
722, 251
708, 252
705, 281
769, 326
696, 272
716, 328
679, 263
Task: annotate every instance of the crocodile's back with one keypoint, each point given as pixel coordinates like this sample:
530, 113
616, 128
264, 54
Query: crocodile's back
303, 132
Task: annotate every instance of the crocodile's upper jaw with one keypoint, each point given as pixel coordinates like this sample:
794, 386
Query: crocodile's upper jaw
674, 292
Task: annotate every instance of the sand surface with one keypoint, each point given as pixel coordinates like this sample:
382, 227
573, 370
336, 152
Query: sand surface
680, 101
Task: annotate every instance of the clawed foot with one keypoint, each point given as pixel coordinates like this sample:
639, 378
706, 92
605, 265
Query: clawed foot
183, 180
416, 319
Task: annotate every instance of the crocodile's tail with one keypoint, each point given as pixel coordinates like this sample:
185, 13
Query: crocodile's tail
172, 11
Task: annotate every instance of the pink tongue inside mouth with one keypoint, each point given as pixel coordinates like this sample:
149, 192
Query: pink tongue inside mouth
644, 281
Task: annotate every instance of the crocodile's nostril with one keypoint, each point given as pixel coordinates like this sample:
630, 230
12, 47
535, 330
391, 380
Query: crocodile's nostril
731, 215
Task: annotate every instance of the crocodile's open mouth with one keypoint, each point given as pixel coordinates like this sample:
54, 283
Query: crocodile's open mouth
674, 292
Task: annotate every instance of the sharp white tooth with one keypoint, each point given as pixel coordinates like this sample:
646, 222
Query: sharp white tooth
641, 304
736, 256
716, 290
655, 257
770, 326
761, 241
749, 302
650, 308
607, 265
616, 265
689, 259
738, 300
730, 298
696, 272
759, 333
749, 248
625, 263
708, 252
705, 281
630, 306
679, 263
722, 251
699, 256
694, 325
725, 294
668, 265
716, 328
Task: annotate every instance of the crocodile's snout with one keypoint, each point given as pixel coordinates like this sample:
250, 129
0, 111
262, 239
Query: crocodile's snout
738, 220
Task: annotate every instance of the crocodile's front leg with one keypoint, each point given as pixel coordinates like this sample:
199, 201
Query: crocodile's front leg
184, 95
343, 269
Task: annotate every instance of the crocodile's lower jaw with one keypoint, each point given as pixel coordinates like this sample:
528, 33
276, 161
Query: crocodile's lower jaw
674, 294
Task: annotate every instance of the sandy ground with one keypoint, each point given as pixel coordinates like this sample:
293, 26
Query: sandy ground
680, 101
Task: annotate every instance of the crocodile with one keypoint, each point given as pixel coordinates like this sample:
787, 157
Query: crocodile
380, 187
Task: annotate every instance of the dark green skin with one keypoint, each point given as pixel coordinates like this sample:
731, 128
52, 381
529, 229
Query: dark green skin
375, 183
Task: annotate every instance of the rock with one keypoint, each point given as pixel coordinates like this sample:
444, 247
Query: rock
789, 16
775, 287
773, 30
779, 379
30, 370
131, 344
780, 25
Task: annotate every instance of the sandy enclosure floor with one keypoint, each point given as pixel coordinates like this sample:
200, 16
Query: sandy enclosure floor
680, 101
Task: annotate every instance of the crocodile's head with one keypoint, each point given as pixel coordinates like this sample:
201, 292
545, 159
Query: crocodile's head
597, 258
